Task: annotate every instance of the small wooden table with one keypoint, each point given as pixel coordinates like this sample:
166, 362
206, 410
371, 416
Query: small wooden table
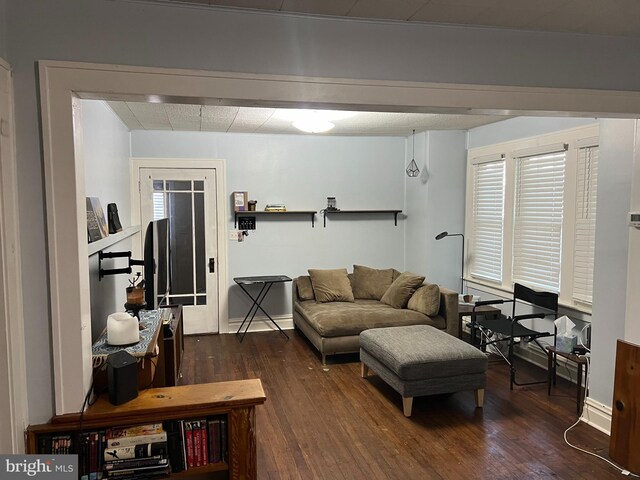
580, 361
486, 311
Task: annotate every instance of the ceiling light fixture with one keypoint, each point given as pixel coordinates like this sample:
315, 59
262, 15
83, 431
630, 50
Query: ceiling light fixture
312, 121
413, 170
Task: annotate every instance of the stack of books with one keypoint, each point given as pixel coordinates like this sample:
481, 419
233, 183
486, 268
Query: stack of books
196, 443
136, 452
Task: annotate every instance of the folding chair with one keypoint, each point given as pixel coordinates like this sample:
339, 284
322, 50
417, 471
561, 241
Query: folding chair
510, 330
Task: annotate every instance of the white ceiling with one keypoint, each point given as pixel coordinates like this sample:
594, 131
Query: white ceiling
605, 17
208, 118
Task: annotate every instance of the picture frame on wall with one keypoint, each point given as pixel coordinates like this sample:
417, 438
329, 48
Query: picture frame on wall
97, 228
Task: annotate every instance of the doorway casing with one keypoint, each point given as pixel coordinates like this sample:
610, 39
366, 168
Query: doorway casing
61, 82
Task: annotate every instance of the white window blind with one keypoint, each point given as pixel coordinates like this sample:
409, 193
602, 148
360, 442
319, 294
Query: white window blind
488, 215
537, 238
585, 230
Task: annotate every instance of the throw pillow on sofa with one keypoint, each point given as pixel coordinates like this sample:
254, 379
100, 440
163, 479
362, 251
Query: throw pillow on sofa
426, 299
331, 285
400, 291
305, 289
370, 283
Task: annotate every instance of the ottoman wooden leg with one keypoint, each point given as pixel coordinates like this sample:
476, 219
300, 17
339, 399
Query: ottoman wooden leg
364, 370
479, 397
407, 403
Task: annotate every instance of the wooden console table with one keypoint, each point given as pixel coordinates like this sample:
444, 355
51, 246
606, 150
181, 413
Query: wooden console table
236, 400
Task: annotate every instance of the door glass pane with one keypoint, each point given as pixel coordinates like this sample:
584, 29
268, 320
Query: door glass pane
158, 184
200, 259
178, 184
181, 231
198, 185
181, 300
159, 210
201, 300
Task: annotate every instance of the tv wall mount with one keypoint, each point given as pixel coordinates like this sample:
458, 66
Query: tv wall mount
116, 271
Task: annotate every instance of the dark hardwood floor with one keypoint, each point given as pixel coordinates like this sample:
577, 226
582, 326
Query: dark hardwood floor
329, 423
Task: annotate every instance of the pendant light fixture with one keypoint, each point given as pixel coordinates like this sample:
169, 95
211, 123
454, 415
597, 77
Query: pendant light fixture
413, 170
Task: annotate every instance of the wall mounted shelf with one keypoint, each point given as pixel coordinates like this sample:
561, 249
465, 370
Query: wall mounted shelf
395, 213
102, 244
262, 213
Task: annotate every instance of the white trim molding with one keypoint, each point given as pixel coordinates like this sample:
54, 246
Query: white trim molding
63, 82
261, 323
597, 415
14, 392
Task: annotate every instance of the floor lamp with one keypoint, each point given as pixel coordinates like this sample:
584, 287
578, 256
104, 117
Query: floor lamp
440, 236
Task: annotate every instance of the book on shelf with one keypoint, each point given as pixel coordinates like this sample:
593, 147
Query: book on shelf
128, 464
197, 449
188, 435
139, 472
134, 431
175, 445
142, 450
137, 439
204, 442
275, 207
214, 440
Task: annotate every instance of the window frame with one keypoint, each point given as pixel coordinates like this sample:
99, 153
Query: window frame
574, 138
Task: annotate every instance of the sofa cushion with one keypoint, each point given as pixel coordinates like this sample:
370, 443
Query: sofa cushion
339, 319
370, 283
331, 285
305, 289
400, 291
426, 299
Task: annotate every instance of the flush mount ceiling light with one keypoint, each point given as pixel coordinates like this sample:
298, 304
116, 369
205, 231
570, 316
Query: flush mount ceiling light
312, 121
413, 170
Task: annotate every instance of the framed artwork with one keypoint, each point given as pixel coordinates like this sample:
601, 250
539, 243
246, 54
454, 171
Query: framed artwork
96, 221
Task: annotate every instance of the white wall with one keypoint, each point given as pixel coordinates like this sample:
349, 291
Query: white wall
3, 29
199, 38
436, 205
106, 152
300, 171
612, 241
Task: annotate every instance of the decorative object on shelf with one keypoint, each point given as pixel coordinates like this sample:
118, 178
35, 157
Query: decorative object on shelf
275, 207
122, 329
96, 223
252, 205
114, 219
240, 201
135, 295
440, 236
413, 170
331, 204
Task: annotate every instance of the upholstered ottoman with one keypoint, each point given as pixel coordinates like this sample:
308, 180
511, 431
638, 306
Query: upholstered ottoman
422, 360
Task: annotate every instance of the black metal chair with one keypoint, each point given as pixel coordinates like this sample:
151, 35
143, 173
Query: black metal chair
510, 330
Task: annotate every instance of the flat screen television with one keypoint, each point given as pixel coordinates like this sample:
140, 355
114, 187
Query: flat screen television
157, 254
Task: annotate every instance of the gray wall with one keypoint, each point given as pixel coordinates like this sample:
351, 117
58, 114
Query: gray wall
3, 29
300, 171
106, 152
168, 36
435, 204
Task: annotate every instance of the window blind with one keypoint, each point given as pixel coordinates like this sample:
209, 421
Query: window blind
538, 214
585, 230
488, 215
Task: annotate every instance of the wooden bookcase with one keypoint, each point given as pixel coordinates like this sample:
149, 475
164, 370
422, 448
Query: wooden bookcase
236, 399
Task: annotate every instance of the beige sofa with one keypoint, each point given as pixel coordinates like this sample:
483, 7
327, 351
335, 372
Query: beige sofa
334, 327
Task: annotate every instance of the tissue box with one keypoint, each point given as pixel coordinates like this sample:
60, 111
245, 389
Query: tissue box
566, 343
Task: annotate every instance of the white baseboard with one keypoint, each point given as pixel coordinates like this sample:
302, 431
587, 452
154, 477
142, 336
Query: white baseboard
262, 323
597, 415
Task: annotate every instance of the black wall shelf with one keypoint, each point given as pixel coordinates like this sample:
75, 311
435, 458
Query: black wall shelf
395, 213
262, 213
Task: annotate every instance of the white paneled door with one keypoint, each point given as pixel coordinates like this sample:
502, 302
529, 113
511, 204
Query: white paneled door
187, 197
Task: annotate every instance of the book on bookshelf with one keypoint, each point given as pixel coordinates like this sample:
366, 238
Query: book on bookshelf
204, 442
188, 435
136, 451
175, 445
137, 439
139, 472
197, 449
214, 440
136, 430
156, 460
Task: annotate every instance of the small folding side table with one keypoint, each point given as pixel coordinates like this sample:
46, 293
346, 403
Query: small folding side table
265, 282
580, 361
